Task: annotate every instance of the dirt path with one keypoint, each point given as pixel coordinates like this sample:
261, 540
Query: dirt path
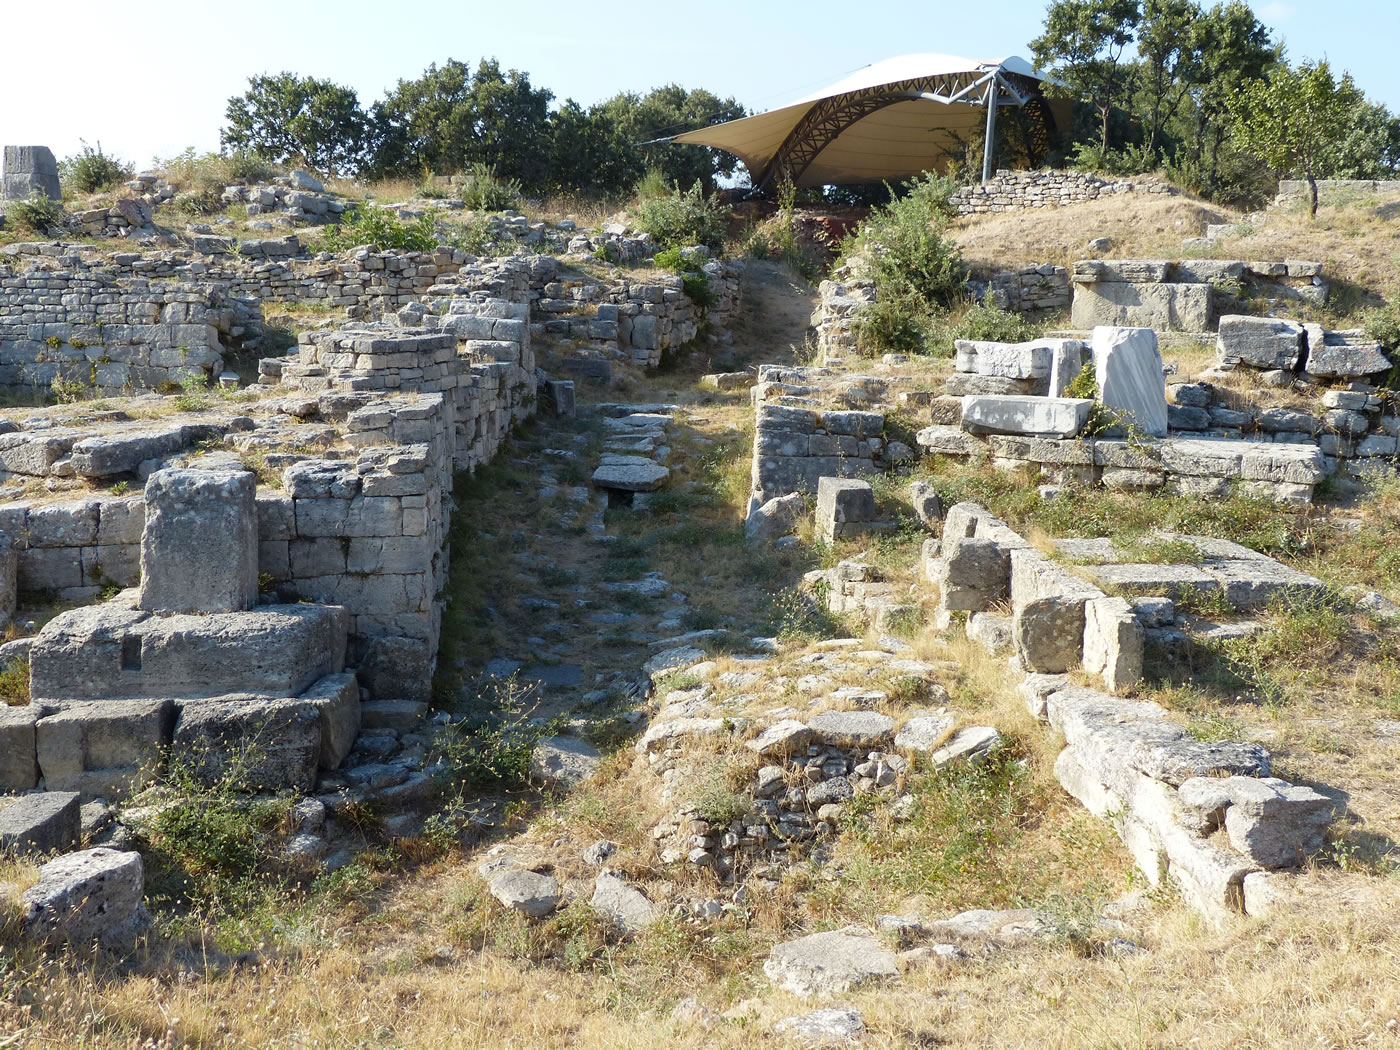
568, 595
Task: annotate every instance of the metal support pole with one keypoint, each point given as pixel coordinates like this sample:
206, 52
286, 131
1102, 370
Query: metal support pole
991, 103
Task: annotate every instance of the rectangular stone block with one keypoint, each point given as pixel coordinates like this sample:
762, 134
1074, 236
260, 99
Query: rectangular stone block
1059, 417
1128, 370
108, 749
108, 653
337, 701
1164, 307
9, 582
1113, 641
974, 574
19, 769
1259, 342
40, 824
262, 744
842, 501
1047, 612
199, 549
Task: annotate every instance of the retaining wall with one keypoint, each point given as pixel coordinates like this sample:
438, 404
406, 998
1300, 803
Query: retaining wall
1015, 190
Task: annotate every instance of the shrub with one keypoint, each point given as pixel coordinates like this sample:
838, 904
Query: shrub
206, 174
487, 191
1383, 325
381, 229
981, 322
14, 683
92, 170
683, 218
39, 214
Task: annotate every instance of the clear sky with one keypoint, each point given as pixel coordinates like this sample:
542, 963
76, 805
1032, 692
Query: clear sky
151, 78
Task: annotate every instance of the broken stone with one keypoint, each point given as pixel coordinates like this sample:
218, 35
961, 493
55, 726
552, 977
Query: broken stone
41, 824
527, 892
621, 903
826, 963
852, 729
563, 763
971, 745
92, 895
199, 550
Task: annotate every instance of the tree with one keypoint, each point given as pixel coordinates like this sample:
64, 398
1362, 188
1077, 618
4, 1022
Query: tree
1235, 50
671, 110
1294, 117
1370, 147
1083, 45
591, 152
285, 117
1169, 48
451, 118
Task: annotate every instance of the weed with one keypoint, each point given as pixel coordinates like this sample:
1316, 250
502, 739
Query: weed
14, 684
91, 170
379, 228
681, 218
484, 190
39, 214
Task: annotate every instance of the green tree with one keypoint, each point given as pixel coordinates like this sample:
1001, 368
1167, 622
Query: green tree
452, 118
1084, 44
591, 152
1370, 147
1169, 49
671, 110
1294, 117
286, 117
1235, 50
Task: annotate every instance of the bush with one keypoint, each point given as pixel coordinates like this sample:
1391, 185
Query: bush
487, 191
982, 322
1383, 325
206, 174
39, 214
905, 250
381, 229
683, 218
92, 170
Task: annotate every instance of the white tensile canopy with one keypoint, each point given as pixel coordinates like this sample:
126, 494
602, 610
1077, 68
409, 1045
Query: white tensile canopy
893, 119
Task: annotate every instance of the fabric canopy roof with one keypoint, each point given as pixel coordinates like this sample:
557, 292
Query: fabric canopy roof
889, 120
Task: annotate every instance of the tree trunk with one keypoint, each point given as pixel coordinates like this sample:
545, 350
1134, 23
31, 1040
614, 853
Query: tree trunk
1312, 194
1103, 133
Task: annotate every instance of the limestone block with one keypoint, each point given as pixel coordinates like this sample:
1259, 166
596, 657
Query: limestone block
1066, 362
1259, 342
1274, 823
563, 763
826, 963
1338, 357
852, 729
43, 823
336, 698
527, 892
960, 385
1047, 610
199, 550
622, 904
1060, 417
950, 440
396, 666
778, 517
111, 454
840, 502
109, 653
1169, 580
1113, 641
104, 749
92, 895
639, 475
1178, 761
1128, 369
9, 582
974, 575
923, 733
1010, 360
268, 744
1256, 583
1164, 307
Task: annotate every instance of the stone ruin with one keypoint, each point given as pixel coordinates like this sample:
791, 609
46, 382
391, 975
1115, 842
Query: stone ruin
29, 170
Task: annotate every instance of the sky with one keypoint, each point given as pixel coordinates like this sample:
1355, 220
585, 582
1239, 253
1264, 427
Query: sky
151, 79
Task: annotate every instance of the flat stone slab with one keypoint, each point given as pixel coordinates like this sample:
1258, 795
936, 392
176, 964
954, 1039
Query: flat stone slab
1128, 368
923, 733
1061, 417
563, 762
823, 1027
824, 963
852, 729
1170, 581
1256, 584
631, 477
527, 892
971, 745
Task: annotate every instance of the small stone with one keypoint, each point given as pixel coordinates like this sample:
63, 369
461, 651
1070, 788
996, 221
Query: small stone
525, 891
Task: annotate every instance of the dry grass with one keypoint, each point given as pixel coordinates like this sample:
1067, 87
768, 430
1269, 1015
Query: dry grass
1357, 242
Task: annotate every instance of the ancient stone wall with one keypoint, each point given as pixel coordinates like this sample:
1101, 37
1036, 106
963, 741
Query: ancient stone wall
794, 447
1295, 191
115, 335
1014, 190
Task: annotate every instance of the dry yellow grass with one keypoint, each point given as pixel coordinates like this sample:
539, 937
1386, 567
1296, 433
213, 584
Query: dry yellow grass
1357, 242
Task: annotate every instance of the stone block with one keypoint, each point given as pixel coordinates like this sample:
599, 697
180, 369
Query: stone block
1272, 822
974, 574
265, 745
199, 550
1113, 640
559, 397
778, 517
841, 502
1164, 307
397, 667
829, 963
1066, 362
9, 580
992, 631
1339, 358
19, 769
1009, 360
110, 653
643, 475
336, 698
42, 823
30, 160
90, 896
1059, 417
105, 749
1259, 342
1128, 369
1047, 612
950, 440
1256, 583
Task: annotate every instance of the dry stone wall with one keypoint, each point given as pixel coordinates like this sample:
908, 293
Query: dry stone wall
1015, 190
